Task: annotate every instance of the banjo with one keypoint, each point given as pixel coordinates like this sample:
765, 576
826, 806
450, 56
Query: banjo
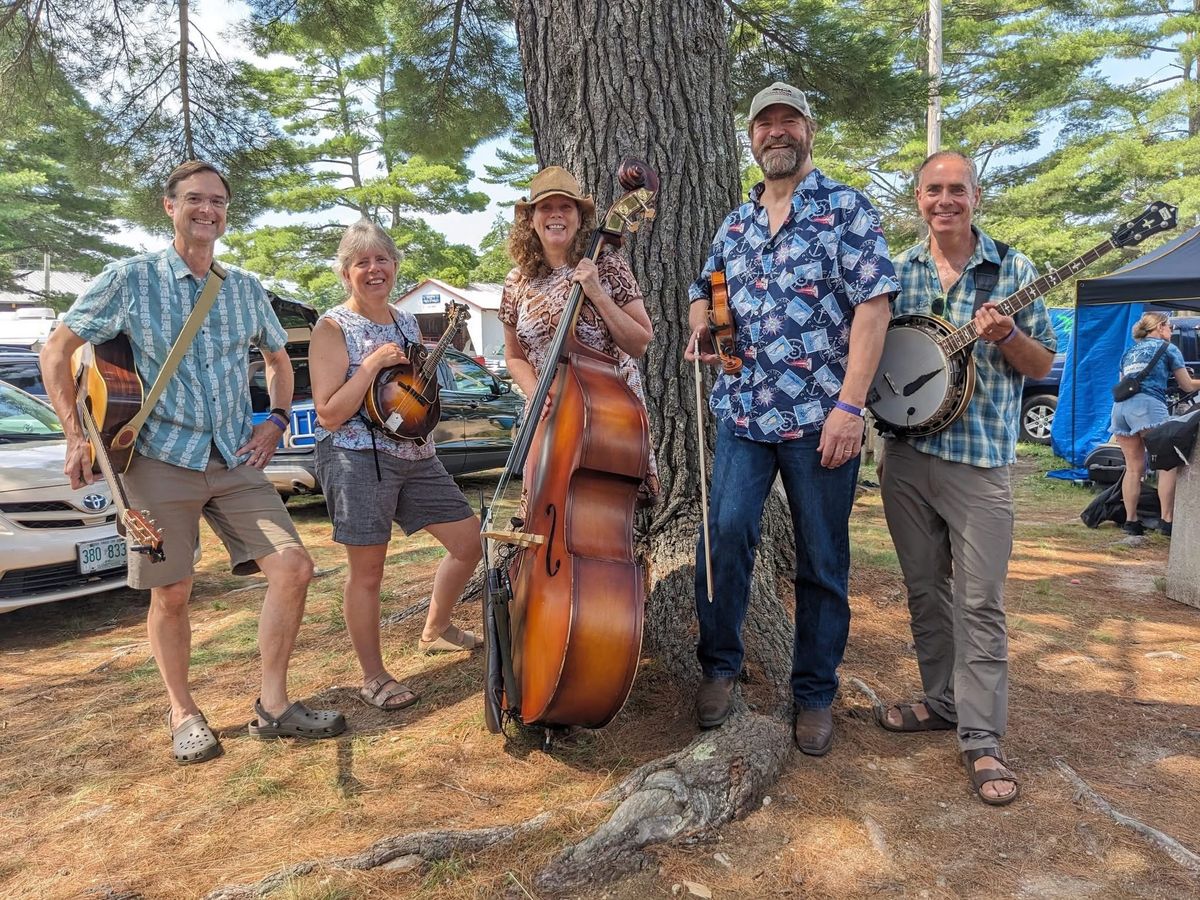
926, 374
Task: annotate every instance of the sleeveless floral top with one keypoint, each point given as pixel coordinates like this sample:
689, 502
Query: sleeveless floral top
362, 338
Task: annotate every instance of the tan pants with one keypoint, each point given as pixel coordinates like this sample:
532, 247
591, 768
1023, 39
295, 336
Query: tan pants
952, 526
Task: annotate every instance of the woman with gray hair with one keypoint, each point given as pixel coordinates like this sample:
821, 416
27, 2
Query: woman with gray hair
371, 480
1155, 358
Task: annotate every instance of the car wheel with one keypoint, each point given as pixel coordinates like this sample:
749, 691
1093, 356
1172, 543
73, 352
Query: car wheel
1037, 415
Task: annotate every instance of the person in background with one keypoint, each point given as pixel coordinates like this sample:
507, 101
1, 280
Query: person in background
1146, 409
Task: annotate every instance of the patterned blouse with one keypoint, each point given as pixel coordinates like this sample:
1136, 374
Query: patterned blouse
533, 307
362, 338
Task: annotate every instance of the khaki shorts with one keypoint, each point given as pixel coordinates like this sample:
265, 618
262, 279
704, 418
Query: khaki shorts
239, 504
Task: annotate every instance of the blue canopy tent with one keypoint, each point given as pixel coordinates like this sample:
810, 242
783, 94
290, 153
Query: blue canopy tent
1106, 308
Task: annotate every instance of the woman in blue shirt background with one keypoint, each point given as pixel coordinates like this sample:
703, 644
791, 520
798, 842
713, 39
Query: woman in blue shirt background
1146, 409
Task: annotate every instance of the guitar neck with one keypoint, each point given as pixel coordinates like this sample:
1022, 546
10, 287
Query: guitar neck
102, 460
1014, 303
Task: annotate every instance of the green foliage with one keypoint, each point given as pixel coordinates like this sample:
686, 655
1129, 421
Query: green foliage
380, 108
494, 262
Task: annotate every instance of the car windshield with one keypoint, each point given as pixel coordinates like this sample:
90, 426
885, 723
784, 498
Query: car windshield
22, 418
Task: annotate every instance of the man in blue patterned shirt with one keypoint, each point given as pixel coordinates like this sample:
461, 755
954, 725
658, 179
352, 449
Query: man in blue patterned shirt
198, 453
948, 496
809, 278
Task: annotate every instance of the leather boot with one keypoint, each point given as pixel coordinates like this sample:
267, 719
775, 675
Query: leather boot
813, 731
714, 699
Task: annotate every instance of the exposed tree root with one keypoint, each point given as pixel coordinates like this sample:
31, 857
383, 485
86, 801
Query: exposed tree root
720, 776
1162, 841
429, 845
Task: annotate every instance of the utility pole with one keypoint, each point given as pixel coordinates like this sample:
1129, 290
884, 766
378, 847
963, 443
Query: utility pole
933, 115
46, 273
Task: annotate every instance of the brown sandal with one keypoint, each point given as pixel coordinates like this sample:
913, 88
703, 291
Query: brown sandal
382, 689
450, 640
909, 721
983, 776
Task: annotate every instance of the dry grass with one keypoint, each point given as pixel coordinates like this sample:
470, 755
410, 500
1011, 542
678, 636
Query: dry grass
91, 799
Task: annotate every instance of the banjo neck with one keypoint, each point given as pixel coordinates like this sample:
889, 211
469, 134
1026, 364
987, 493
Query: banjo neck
962, 338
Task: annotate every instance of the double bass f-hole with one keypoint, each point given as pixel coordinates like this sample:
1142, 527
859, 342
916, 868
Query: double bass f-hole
552, 512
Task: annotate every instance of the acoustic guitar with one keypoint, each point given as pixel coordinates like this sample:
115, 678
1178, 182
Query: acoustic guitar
926, 374
108, 394
404, 400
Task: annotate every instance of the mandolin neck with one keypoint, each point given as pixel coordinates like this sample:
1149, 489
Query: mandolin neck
435, 355
965, 336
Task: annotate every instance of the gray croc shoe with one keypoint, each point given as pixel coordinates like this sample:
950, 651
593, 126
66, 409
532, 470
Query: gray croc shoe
192, 741
297, 721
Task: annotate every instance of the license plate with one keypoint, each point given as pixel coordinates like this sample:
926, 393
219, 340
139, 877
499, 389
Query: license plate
101, 555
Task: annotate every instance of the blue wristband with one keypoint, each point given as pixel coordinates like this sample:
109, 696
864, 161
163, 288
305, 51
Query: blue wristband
278, 421
1004, 340
846, 407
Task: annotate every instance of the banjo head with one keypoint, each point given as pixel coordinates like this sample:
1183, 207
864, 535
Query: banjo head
917, 389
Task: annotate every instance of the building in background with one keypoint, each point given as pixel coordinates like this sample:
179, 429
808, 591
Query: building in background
484, 335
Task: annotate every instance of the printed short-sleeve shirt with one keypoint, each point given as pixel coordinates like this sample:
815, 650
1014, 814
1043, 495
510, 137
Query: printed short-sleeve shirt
792, 295
986, 433
1137, 357
363, 337
207, 401
533, 307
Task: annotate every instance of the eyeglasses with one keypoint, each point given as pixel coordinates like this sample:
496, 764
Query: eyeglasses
199, 200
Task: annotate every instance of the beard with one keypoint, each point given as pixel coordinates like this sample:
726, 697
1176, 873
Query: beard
776, 163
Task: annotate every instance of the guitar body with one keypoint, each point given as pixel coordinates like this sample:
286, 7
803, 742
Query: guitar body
403, 403
108, 382
918, 389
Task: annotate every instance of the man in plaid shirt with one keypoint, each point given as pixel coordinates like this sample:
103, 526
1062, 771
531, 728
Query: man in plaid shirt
948, 496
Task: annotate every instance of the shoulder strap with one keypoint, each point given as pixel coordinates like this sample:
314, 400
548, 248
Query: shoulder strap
987, 275
128, 434
1158, 354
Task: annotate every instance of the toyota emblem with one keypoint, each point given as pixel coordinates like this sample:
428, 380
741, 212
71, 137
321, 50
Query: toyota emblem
95, 502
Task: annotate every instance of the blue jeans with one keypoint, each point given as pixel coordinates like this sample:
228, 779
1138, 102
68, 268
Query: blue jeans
820, 500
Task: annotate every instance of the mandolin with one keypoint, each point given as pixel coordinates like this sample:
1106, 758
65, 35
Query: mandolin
403, 401
108, 395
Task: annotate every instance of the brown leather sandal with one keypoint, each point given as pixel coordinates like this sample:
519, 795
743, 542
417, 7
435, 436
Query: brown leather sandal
983, 776
381, 690
910, 722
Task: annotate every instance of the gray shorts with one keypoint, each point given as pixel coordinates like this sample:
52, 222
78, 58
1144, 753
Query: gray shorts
412, 493
1135, 415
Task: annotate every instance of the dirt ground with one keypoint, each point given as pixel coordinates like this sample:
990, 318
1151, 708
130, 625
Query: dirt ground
1105, 675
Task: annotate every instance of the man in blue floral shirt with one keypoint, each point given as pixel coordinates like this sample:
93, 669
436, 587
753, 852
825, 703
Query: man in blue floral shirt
809, 280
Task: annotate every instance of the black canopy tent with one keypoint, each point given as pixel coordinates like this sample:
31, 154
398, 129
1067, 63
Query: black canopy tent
1166, 278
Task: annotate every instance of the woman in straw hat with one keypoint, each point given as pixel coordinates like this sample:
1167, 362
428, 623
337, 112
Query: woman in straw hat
371, 481
548, 243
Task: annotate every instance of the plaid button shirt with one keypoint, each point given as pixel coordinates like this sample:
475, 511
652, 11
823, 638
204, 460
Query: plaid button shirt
207, 401
986, 434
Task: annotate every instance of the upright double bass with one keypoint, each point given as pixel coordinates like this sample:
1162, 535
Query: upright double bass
563, 611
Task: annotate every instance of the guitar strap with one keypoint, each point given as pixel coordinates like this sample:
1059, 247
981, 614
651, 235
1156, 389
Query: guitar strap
127, 435
987, 276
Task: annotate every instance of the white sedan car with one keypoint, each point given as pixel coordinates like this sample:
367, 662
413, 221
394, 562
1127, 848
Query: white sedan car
55, 542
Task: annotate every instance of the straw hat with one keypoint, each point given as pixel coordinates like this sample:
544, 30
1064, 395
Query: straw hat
552, 181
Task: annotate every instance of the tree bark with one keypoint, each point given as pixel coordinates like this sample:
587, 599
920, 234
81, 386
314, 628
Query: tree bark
185, 95
650, 78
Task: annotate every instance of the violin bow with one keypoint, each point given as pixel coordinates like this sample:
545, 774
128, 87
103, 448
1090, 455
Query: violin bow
703, 468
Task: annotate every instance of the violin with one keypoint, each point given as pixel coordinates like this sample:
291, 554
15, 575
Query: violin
563, 615
720, 325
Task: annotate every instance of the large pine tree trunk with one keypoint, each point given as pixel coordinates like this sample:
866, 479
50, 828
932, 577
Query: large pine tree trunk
650, 78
